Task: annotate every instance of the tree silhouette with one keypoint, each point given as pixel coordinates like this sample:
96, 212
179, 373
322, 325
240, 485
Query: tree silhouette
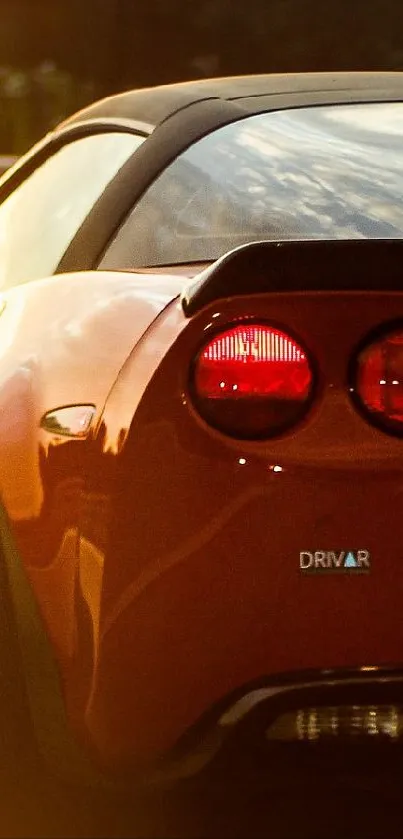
109, 45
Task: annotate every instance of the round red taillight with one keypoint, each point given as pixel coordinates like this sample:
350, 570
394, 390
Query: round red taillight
378, 384
252, 381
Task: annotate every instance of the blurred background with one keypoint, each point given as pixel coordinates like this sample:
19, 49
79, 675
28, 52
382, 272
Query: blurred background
58, 55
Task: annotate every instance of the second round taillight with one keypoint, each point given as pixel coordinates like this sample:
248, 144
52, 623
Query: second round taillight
378, 381
252, 381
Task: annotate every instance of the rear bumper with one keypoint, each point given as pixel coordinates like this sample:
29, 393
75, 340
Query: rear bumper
230, 739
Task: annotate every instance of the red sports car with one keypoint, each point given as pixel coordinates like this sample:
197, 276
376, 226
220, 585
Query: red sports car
201, 422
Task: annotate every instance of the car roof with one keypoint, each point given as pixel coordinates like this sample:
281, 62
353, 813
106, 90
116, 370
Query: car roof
154, 105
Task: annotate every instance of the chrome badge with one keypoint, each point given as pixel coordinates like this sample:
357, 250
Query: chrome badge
335, 562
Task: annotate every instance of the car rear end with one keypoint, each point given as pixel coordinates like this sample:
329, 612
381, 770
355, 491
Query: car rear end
251, 572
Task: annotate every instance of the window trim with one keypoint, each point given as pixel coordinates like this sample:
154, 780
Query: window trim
52, 143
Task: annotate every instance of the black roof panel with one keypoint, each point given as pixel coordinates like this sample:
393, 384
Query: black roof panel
154, 105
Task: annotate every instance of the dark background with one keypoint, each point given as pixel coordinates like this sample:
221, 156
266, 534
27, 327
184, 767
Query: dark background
57, 55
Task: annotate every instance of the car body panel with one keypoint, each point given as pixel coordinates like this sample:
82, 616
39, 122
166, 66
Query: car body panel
63, 342
213, 597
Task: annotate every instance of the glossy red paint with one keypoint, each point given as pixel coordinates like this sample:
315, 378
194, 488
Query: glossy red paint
193, 585
163, 554
60, 349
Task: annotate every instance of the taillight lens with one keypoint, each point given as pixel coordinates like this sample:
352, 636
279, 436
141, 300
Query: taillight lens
252, 381
379, 381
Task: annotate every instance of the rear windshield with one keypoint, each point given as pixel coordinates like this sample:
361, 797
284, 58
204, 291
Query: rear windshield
331, 172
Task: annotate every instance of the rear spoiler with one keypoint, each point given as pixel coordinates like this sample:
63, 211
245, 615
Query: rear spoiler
322, 265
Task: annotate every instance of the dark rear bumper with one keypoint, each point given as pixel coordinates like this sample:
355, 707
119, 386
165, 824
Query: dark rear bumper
224, 781
233, 734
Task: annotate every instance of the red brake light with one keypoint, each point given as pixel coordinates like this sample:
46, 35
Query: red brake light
379, 381
252, 381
